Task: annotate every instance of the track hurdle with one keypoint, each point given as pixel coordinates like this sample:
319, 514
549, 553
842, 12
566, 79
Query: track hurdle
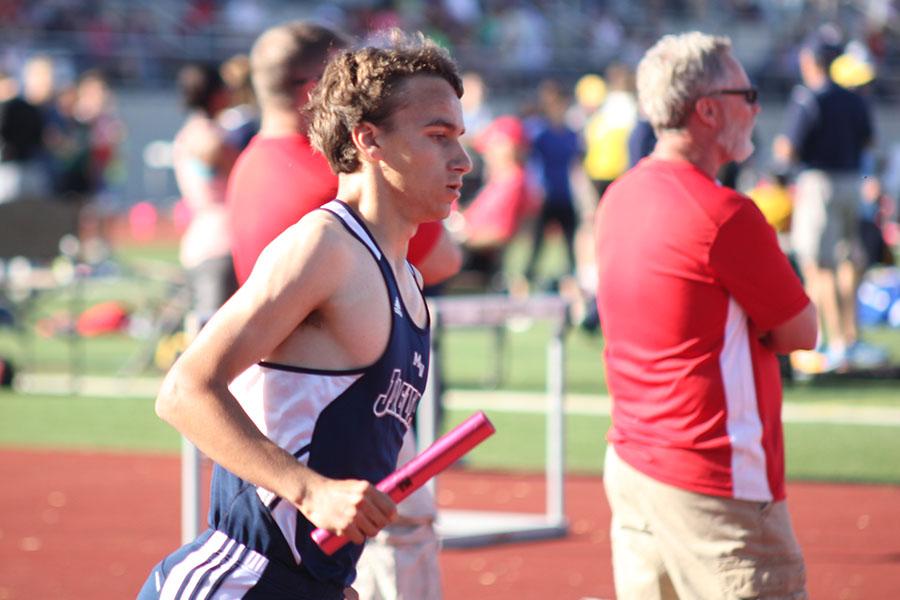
458, 528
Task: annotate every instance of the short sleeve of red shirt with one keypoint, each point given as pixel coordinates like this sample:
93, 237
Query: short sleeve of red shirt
424, 241
746, 258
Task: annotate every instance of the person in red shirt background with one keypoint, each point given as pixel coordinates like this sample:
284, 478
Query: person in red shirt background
496, 213
278, 178
695, 299
488, 224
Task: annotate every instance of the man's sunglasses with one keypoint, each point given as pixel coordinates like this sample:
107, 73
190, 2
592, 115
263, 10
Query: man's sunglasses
751, 95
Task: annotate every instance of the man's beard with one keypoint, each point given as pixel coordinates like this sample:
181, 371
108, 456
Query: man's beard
737, 147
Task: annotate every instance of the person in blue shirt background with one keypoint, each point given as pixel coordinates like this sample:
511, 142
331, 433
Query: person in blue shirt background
555, 151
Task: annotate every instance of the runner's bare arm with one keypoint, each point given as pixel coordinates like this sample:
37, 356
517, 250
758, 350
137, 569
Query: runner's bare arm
300, 273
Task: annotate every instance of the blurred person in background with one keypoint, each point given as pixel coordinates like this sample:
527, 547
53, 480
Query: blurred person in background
39, 86
854, 71
70, 140
95, 108
696, 299
477, 114
607, 130
876, 215
773, 196
590, 92
605, 137
85, 140
202, 159
828, 133
102, 132
40, 89
23, 172
241, 118
555, 153
476, 107
641, 141
487, 225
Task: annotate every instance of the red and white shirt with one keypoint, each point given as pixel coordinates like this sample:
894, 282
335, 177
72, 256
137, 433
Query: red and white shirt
690, 275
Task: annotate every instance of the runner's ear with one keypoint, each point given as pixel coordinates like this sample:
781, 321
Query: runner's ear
365, 138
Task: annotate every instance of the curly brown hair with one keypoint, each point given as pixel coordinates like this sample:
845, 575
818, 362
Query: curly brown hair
360, 86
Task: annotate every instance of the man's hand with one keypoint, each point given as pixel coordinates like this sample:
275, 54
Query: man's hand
348, 507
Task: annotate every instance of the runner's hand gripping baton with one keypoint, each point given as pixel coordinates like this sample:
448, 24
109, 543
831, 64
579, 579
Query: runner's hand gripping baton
413, 475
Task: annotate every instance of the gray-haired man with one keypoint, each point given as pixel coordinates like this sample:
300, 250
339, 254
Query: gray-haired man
695, 300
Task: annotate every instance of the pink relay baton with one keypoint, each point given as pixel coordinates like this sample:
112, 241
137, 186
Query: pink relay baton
414, 474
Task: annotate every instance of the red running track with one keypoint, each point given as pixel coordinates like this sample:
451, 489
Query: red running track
75, 526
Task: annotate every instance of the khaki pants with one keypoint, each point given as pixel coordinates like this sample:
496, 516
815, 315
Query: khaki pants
401, 561
825, 220
668, 543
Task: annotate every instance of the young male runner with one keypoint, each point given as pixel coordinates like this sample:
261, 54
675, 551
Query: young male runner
302, 386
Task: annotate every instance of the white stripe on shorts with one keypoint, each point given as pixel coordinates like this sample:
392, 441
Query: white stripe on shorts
218, 556
218, 573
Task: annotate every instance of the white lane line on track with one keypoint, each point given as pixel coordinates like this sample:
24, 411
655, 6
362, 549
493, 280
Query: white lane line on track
519, 402
577, 404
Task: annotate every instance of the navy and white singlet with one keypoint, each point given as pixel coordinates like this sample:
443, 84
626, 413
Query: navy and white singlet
342, 424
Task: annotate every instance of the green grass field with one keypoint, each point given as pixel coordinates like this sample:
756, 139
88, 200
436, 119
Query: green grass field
824, 451
818, 451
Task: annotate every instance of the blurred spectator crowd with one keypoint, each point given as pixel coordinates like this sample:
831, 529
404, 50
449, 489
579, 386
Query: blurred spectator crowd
552, 116
59, 141
143, 44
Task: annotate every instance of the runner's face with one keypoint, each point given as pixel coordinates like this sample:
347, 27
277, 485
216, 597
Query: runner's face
423, 160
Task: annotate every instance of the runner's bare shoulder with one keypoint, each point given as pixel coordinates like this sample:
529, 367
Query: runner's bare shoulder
316, 246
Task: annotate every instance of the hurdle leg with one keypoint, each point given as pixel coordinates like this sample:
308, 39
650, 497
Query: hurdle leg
190, 491
190, 465
427, 413
556, 426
